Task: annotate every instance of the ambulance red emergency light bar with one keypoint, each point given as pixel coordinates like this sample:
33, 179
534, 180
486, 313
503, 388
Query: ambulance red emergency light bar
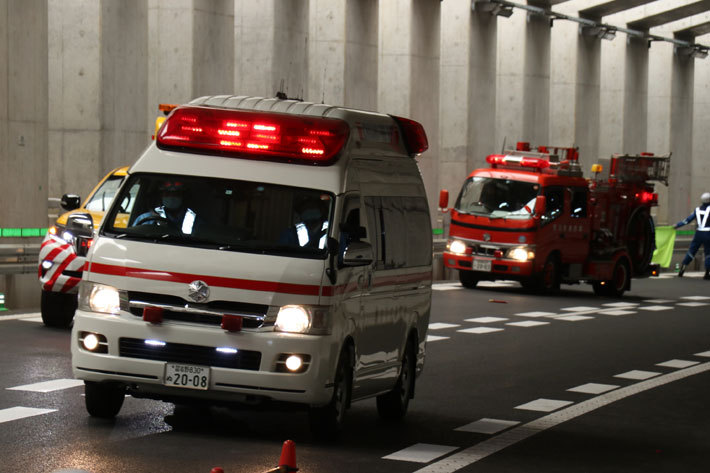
279, 137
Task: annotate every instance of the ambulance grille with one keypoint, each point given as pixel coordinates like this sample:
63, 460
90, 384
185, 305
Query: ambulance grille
189, 354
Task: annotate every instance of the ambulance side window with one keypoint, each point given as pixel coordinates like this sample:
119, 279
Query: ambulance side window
555, 203
578, 203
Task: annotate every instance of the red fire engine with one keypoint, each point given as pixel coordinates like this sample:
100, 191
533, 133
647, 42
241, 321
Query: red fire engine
532, 216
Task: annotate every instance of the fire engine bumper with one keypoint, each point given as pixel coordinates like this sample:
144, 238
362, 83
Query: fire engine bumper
489, 268
134, 359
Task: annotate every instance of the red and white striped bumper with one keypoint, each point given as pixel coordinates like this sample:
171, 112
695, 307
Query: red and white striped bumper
66, 267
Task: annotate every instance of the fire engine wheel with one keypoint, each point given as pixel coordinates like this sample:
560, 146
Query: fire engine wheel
393, 405
57, 309
103, 400
327, 421
620, 279
549, 281
468, 279
640, 240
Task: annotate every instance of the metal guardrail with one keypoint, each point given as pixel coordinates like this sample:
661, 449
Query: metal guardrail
19, 258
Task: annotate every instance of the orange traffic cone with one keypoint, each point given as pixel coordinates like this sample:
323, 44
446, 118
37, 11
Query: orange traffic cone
287, 461
217, 469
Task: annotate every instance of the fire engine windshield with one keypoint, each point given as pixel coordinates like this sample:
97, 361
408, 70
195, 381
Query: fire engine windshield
222, 214
497, 198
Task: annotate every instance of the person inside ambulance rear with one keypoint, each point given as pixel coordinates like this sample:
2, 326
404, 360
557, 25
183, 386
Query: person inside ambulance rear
223, 214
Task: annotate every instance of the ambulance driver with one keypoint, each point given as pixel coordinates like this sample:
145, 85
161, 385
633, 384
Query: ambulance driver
173, 210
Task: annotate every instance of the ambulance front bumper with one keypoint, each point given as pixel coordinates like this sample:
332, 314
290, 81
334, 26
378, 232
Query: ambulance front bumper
260, 375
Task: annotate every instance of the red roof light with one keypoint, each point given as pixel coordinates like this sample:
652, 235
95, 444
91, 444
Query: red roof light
249, 134
415, 139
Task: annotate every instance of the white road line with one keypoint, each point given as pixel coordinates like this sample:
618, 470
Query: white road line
573, 318
19, 316
544, 405
486, 320
15, 413
692, 304
435, 338
656, 308
696, 298
705, 354
659, 301
480, 330
421, 453
637, 374
487, 426
678, 363
49, 386
616, 312
580, 308
593, 388
440, 325
527, 323
499, 442
33, 319
446, 288
620, 304
536, 314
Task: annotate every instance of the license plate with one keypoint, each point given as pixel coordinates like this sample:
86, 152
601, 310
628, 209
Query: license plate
482, 265
187, 376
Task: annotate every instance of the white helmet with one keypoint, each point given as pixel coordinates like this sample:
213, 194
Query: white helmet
705, 198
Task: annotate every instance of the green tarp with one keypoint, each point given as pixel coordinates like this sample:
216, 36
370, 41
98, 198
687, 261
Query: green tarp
665, 239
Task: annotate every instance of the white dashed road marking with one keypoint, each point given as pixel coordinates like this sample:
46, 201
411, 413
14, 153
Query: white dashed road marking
705, 354
544, 405
696, 298
528, 323
580, 308
20, 316
616, 312
15, 413
32, 319
480, 330
692, 304
421, 453
637, 374
658, 301
49, 386
440, 325
620, 304
593, 388
656, 308
573, 318
678, 363
435, 338
486, 320
510, 437
487, 426
536, 314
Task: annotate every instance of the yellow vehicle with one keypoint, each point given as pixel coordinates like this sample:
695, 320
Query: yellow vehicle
61, 257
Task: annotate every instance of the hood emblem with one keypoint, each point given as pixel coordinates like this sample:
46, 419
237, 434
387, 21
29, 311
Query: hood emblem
486, 237
198, 291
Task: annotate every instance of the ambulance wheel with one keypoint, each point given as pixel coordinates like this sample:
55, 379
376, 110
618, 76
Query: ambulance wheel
327, 421
549, 282
468, 279
57, 308
103, 400
393, 405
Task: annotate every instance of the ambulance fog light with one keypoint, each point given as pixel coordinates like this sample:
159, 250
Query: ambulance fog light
93, 342
457, 247
293, 318
294, 363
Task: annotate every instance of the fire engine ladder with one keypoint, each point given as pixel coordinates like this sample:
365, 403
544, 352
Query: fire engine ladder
640, 168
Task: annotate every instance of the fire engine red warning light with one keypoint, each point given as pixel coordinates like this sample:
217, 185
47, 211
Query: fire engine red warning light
523, 161
646, 197
255, 135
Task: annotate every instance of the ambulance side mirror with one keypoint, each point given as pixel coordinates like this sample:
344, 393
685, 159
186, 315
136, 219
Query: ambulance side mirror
70, 202
540, 204
443, 198
358, 253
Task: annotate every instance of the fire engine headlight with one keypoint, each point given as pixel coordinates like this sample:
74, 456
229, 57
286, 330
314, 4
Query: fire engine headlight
99, 298
521, 254
457, 247
303, 319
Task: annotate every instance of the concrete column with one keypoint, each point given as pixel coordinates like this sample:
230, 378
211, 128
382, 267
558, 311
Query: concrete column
408, 76
271, 47
681, 137
74, 96
635, 124
23, 131
124, 76
468, 108
700, 180
342, 52
191, 50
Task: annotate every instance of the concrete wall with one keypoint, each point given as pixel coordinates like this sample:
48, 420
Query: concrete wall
81, 80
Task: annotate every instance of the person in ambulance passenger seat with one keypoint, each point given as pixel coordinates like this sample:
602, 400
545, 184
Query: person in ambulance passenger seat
311, 228
173, 210
702, 234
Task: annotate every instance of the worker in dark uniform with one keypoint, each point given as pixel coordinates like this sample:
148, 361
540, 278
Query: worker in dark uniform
701, 237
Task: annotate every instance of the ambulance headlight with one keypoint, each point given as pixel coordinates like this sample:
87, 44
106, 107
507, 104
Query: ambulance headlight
457, 247
303, 319
521, 254
99, 298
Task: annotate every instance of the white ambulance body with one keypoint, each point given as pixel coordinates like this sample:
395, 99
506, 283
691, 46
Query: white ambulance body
253, 296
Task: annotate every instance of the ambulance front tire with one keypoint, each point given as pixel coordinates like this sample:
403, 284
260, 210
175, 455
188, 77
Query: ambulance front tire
393, 405
57, 308
327, 421
468, 279
103, 400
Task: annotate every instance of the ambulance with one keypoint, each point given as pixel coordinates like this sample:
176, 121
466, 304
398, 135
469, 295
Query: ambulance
262, 251
60, 260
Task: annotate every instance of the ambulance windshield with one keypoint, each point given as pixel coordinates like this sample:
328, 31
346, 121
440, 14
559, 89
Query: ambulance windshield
222, 214
497, 198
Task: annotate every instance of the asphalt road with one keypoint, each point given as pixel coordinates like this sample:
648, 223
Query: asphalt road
513, 382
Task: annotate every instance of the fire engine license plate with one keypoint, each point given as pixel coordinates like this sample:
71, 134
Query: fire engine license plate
481, 265
187, 376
